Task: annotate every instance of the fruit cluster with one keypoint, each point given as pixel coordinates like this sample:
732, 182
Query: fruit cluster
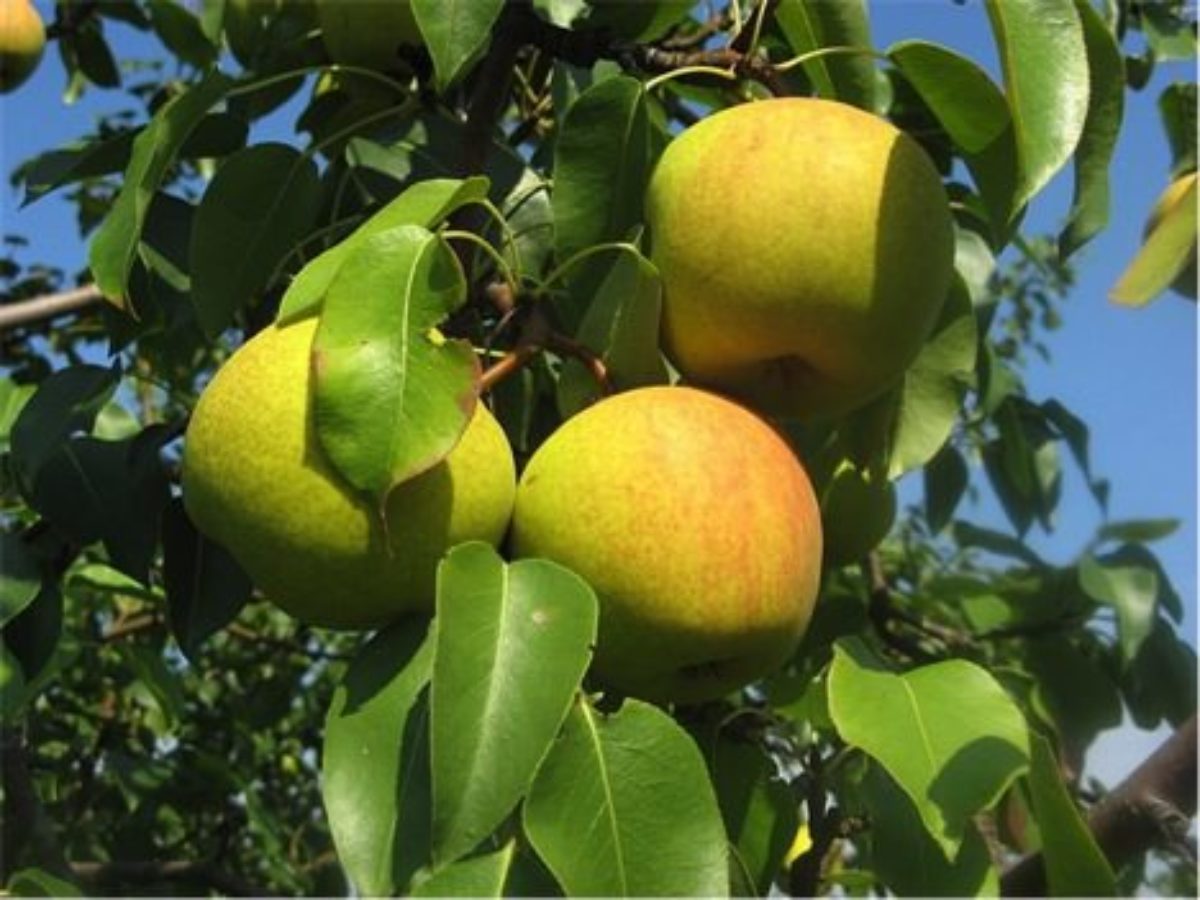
805, 248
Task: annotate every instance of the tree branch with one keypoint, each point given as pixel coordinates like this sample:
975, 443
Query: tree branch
1150, 808
48, 306
121, 872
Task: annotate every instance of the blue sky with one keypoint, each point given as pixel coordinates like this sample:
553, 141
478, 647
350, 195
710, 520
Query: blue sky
1130, 374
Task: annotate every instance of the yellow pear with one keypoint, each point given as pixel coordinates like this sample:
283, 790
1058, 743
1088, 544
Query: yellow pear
368, 32
698, 529
22, 40
256, 481
805, 247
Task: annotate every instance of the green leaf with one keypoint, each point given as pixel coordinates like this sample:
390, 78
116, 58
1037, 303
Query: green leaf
809, 25
32, 637
392, 395
976, 116
68, 401
181, 33
946, 479
968, 535
40, 883
206, 588
159, 687
1075, 432
426, 203
1138, 530
641, 22
1075, 865
111, 491
1161, 683
621, 328
1044, 59
1171, 33
13, 398
1177, 108
622, 806
1072, 686
85, 48
1168, 249
456, 33
1106, 101
947, 733
928, 399
908, 861
262, 200
480, 876
513, 642
375, 765
602, 163
20, 576
115, 244
1127, 581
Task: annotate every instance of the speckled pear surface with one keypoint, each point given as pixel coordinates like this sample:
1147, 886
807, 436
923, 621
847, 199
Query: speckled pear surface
256, 481
22, 41
806, 248
697, 527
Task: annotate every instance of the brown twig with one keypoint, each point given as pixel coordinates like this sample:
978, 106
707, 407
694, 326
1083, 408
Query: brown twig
48, 306
1150, 808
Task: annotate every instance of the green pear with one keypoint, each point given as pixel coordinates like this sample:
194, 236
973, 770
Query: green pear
22, 40
256, 481
698, 529
857, 512
368, 32
1185, 281
806, 248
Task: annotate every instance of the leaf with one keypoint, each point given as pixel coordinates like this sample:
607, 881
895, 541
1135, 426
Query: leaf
968, 535
602, 163
32, 637
946, 479
375, 766
1177, 108
809, 25
425, 203
111, 491
621, 328
513, 642
115, 244
1128, 582
947, 733
908, 861
1075, 865
1072, 686
456, 33
76, 161
206, 588
40, 883
13, 397
928, 399
1106, 101
1138, 530
480, 876
1044, 59
976, 116
1161, 683
85, 48
20, 576
262, 201
1166, 252
181, 33
392, 395
67, 401
622, 806
1075, 432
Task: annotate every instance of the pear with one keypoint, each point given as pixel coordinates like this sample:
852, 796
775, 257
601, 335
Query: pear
806, 248
698, 529
256, 481
22, 40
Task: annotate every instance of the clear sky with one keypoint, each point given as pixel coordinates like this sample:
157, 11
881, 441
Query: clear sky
1130, 374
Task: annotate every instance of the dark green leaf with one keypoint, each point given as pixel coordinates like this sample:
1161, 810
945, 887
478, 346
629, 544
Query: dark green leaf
40, 883
1171, 33
456, 33
1127, 581
946, 479
968, 535
1075, 865
20, 576
947, 733
33, 636
375, 763
513, 642
1044, 58
1177, 107
206, 588
622, 806
1075, 432
217, 134
1161, 683
1073, 687
67, 402
809, 25
181, 33
426, 203
392, 396
93, 56
480, 876
632, 21
261, 202
1106, 100
115, 244
1138, 530
602, 163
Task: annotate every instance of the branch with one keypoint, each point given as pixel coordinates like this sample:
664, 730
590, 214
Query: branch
120, 872
1150, 808
28, 827
48, 306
